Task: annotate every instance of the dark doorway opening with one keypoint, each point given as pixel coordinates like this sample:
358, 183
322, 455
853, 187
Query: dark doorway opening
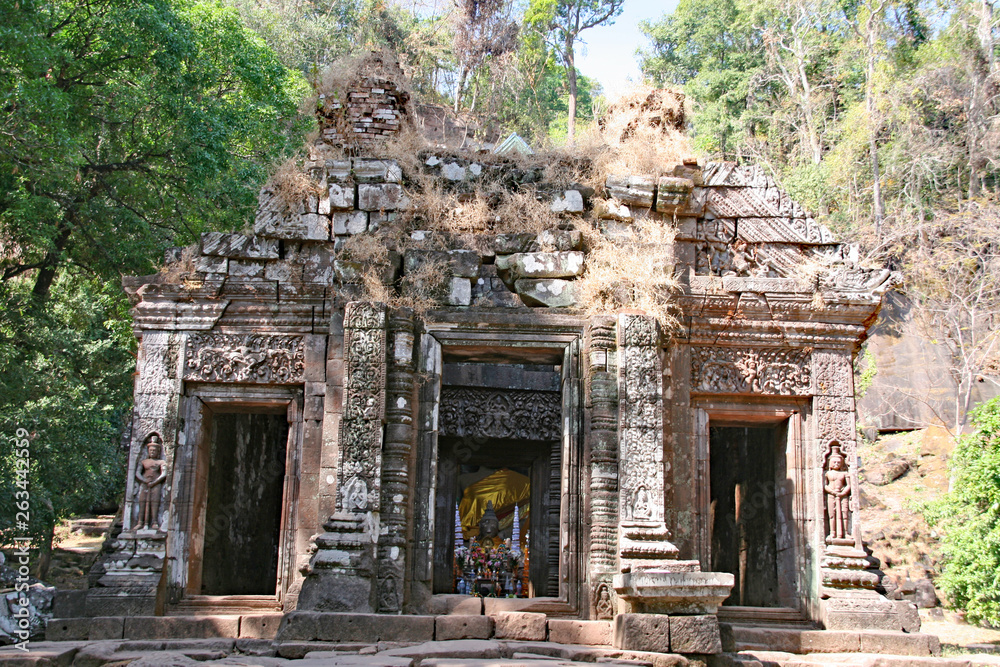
746, 465
245, 485
465, 463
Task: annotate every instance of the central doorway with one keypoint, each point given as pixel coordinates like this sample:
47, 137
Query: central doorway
517, 480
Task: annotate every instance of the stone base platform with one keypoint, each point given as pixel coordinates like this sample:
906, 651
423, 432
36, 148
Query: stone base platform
457, 653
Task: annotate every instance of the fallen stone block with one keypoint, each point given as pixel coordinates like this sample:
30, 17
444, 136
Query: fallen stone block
550, 292
631, 190
459, 292
263, 648
571, 201
545, 264
672, 193
522, 625
238, 246
462, 627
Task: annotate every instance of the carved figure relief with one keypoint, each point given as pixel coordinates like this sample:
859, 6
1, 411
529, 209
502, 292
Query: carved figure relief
640, 412
270, 359
731, 370
493, 413
151, 472
364, 404
604, 606
388, 598
837, 487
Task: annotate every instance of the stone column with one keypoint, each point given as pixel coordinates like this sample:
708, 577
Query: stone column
341, 572
396, 462
848, 588
644, 542
132, 574
602, 400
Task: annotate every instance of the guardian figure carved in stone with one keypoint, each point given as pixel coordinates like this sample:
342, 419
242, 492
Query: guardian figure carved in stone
150, 473
838, 495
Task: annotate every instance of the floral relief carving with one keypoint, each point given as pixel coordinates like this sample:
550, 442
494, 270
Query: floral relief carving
493, 413
730, 370
270, 359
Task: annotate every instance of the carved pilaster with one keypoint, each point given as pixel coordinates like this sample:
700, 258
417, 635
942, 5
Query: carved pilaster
341, 572
395, 462
645, 539
602, 399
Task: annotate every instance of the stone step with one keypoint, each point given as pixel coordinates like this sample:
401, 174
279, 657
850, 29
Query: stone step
222, 605
793, 640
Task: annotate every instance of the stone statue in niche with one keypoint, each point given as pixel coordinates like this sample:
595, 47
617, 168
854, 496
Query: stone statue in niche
150, 473
605, 608
356, 495
838, 496
641, 509
387, 598
489, 527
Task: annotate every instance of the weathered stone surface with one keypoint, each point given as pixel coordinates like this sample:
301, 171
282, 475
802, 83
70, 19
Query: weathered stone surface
860, 610
355, 222
211, 264
508, 244
611, 210
461, 605
181, 627
381, 197
571, 201
559, 239
452, 171
695, 634
883, 473
464, 263
262, 648
909, 615
462, 649
260, 626
319, 626
490, 290
341, 659
338, 171
459, 292
367, 170
674, 592
107, 627
672, 193
238, 246
67, 629
896, 643
591, 633
545, 264
306, 226
631, 190
519, 625
244, 268
461, 263
341, 196
551, 292
462, 627
642, 632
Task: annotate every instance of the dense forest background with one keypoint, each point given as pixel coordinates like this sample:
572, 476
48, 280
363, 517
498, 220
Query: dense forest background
130, 126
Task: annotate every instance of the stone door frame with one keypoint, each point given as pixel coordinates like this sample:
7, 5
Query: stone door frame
761, 412
554, 337
189, 502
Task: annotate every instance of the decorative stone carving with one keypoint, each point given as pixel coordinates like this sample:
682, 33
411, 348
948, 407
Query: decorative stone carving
833, 373
364, 398
492, 413
603, 400
356, 495
730, 370
837, 487
150, 473
602, 602
644, 538
265, 359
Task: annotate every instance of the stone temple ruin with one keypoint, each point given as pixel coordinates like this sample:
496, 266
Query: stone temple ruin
318, 442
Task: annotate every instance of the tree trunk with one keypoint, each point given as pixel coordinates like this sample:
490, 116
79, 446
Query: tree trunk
461, 85
47, 274
571, 81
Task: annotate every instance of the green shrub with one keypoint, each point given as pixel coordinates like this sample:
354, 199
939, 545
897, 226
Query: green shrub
969, 516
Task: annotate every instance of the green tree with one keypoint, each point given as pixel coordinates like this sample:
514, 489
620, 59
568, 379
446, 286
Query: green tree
561, 22
129, 126
969, 517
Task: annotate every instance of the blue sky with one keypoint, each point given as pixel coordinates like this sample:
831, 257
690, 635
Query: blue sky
608, 54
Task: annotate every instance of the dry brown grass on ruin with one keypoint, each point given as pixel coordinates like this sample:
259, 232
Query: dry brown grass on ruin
175, 272
291, 184
641, 133
631, 272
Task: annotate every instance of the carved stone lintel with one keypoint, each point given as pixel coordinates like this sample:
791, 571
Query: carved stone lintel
732, 370
492, 413
257, 358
